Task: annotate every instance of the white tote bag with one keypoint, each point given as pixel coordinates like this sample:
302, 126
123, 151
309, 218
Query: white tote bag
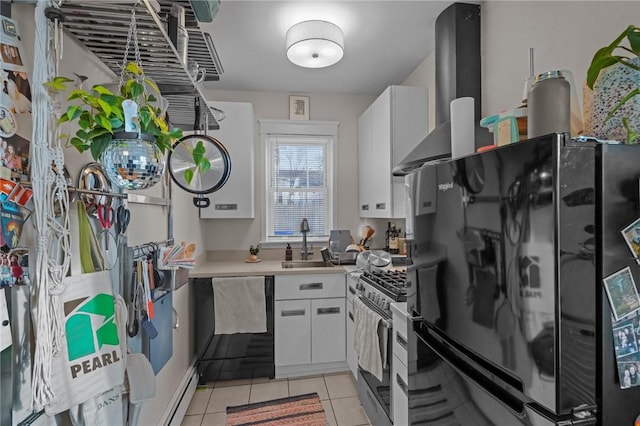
91, 361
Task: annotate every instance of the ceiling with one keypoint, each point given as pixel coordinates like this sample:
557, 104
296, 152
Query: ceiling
384, 42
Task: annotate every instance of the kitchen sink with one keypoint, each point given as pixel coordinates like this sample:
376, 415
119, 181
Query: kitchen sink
306, 264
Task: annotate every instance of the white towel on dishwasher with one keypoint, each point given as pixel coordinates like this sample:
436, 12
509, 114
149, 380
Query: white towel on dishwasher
239, 305
370, 338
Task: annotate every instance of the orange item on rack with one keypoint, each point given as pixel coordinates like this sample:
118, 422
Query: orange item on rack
486, 148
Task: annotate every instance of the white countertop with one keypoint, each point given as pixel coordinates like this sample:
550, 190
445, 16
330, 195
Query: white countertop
230, 268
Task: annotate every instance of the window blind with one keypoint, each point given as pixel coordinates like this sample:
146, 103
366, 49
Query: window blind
298, 185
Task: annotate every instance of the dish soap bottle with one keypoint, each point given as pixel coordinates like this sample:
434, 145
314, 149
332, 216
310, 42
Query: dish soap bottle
288, 253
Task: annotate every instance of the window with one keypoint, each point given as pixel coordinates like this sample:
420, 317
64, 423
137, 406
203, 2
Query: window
298, 176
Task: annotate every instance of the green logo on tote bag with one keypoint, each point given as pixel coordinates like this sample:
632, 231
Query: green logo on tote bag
90, 327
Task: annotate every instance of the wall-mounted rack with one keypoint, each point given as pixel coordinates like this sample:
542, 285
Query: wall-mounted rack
102, 27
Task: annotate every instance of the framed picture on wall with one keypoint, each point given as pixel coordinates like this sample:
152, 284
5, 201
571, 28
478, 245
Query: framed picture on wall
298, 107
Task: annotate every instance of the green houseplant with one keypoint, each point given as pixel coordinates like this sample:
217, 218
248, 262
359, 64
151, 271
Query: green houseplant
99, 112
621, 56
253, 252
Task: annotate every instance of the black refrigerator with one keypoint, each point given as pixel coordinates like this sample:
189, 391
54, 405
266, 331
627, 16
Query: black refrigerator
513, 325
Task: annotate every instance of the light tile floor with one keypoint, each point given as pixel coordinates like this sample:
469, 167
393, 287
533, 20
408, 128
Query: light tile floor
337, 393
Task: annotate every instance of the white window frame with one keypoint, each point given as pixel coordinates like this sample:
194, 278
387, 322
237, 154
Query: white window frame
269, 128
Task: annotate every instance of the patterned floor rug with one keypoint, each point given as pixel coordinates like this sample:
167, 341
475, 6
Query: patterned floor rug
300, 410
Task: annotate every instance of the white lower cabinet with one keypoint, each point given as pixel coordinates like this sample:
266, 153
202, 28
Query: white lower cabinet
399, 390
328, 334
310, 324
352, 359
399, 371
292, 332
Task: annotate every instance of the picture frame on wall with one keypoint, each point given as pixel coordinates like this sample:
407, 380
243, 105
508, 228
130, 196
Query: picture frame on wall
298, 107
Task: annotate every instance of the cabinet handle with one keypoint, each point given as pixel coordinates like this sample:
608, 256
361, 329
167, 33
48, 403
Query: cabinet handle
365, 207
381, 206
352, 290
403, 385
329, 311
401, 340
293, 313
311, 286
225, 206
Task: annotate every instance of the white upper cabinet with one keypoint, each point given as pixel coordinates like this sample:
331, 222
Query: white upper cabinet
387, 131
235, 200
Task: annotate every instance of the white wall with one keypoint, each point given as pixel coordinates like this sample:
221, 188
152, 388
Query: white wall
563, 34
238, 234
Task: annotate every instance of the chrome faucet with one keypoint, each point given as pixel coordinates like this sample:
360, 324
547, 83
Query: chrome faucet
304, 228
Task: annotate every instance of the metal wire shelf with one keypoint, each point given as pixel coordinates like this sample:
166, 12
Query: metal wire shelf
102, 28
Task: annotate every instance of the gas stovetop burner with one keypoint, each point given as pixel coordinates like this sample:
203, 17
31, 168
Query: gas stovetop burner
392, 283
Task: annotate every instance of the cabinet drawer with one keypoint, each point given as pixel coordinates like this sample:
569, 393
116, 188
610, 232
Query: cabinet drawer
309, 286
400, 331
400, 346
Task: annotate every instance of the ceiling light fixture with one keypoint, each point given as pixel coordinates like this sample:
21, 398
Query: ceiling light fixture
315, 44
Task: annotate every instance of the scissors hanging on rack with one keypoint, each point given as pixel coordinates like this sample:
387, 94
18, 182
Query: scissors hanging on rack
123, 217
105, 216
106, 219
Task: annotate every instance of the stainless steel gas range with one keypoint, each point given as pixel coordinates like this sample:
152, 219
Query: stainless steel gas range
377, 289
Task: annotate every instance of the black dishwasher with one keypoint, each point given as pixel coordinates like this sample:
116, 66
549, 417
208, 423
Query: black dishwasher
230, 356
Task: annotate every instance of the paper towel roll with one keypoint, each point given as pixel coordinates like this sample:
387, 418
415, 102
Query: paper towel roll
462, 127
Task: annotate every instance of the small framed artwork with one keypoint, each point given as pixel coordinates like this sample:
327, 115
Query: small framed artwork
298, 107
631, 236
622, 293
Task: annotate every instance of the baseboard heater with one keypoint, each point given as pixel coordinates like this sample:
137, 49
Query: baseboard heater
181, 399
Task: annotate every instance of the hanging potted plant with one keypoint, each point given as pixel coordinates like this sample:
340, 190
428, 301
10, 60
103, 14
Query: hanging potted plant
124, 131
612, 96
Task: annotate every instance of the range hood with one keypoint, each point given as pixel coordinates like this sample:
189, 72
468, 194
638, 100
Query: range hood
457, 72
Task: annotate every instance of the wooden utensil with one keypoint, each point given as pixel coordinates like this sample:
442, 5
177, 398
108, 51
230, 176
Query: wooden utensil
367, 234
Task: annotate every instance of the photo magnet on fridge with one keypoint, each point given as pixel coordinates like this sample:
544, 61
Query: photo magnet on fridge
622, 293
631, 235
626, 341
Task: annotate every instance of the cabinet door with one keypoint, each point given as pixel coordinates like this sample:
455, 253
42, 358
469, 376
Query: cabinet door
235, 199
409, 120
399, 390
292, 328
352, 359
365, 155
380, 173
328, 330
